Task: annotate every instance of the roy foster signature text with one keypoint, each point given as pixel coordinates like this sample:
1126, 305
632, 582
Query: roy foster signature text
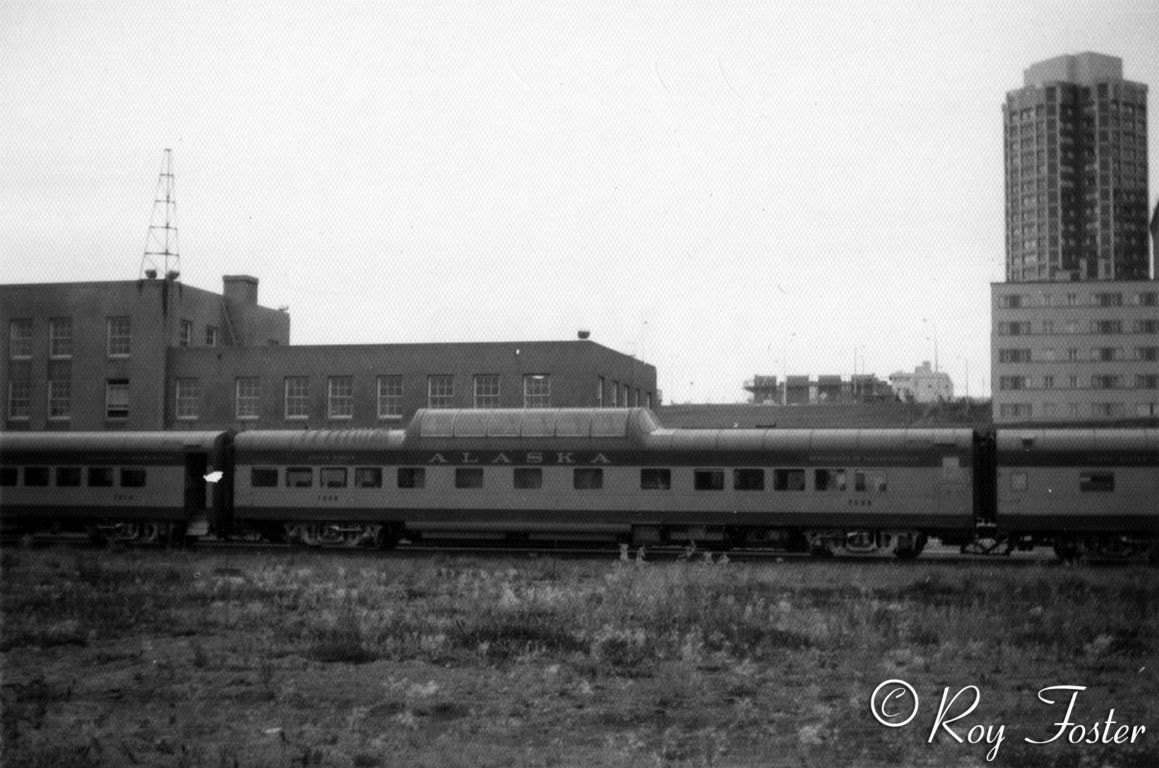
895, 705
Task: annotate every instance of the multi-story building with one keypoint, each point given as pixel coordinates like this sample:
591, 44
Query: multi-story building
923, 385
1076, 351
382, 385
93, 356
157, 354
1076, 172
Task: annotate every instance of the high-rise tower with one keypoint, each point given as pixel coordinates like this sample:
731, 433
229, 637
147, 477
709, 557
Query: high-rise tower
1076, 172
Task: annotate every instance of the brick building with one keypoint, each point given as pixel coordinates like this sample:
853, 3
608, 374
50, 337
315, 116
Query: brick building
157, 354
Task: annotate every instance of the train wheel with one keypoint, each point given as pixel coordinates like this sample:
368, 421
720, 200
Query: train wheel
305, 534
1067, 548
909, 546
148, 533
821, 544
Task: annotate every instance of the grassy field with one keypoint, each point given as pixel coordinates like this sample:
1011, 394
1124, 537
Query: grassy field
283, 658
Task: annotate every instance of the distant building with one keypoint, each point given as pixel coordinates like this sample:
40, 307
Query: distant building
763, 389
827, 389
924, 385
1078, 351
157, 354
1076, 172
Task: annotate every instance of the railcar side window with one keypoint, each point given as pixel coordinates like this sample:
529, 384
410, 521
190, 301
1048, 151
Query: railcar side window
708, 479
263, 477
468, 477
132, 478
588, 478
1018, 481
655, 479
367, 477
869, 481
829, 479
412, 477
332, 477
36, 476
1097, 481
68, 477
100, 477
528, 477
299, 477
748, 479
7, 477
788, 479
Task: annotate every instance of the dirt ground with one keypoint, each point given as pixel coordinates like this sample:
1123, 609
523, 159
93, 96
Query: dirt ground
284, 658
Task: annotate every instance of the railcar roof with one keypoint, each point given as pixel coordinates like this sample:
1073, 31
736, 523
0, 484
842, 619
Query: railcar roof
808, 439
1092, 440
89, 442
320, 439
571, 423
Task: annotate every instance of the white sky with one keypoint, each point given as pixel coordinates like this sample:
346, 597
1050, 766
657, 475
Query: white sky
716, 187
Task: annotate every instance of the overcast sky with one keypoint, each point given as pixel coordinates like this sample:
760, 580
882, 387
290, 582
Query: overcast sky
720, 188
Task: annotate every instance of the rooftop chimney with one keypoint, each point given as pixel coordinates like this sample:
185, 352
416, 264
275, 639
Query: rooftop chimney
240, 290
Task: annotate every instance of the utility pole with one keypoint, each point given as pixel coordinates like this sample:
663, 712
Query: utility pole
161, 239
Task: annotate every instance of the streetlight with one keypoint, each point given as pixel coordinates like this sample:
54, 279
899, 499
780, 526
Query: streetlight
966, 360
935, 327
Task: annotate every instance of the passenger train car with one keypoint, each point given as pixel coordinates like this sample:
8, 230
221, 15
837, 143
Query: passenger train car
597, 474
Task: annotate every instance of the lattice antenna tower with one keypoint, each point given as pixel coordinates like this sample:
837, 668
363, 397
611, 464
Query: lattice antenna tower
161, 249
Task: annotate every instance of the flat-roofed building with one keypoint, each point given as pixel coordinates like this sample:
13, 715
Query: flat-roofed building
382, 385
1076, 351
93, 355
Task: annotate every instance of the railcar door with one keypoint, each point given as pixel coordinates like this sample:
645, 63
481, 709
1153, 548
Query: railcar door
196, 465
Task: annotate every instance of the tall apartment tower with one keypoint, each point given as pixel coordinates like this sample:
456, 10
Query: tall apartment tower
1076, 173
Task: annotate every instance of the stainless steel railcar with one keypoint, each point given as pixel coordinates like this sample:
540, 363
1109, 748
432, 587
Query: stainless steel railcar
599, 473
138, 486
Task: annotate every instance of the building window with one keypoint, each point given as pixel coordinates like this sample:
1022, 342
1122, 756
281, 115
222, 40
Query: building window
487, 390
19, 400
537, 391
441, 391
297, 397
1107, 326
117, 399
648, 400
211, 335
1014, 355
188, 393
1014, 410
1150, 354
624, 392
119, 336
185, 333
1105, 382
615, 393
1146, 381
1048, 382
1149, 299
60, 337
389, 397
20, 339
1147, 326
1011, 382
1108, 299
247, 397
59, 399
599, 391
340, 397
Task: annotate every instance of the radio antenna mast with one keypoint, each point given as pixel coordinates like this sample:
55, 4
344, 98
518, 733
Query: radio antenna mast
161, 240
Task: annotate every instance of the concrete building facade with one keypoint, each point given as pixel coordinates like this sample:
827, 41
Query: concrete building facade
1076, 172
923, 385
1076, 351
94, 356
